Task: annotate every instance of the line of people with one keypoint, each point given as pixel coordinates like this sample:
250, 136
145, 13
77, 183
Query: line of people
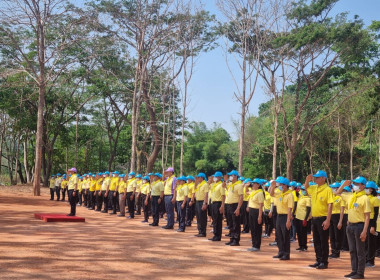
340, 215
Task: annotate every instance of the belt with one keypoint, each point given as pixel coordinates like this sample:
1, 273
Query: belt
168, 195
356, 224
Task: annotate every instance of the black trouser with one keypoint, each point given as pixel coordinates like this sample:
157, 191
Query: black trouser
283, 235
378, 245
321, 240
274, 217
138, 205
336, 235
52, 193
99, 200
256, 228
190, 212
357, 248
131, 204
92, 199
301, 233
63, 194
155, 209
146, 208
181, 215
58, 192
113, 197
201, 217
85, 196
268, 223
80, 194
217, 218
370, 244
105, 201
73, 201
235, 226
244, 216
344, 229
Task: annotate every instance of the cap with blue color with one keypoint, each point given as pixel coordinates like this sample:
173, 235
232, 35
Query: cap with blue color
233, 173
248, 180
182, 178
202, 175
190, 178
158, 175
241, 178
283, 180
347, 189
312, 183
299, 185
371, 185
132, 174
257, 181
267, 184
150, 174
360, 180
52, 175
106, 173
320, 173
138, 176
58, 174
293, 184
146, 178
218, 174
115, 172
335, 185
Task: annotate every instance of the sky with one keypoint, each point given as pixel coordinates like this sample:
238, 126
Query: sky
212, 86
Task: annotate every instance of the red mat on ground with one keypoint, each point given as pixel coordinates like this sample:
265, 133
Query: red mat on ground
52, 217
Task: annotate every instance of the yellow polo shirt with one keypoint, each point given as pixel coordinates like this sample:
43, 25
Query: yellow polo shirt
99, 184
302, 204
191, 187
234, 191
168, 185
92, 185
145, 188
360, 207
80, 185
106, 183
114, 183
72, 182
378, 223
255, 199
268, 200
338, 203
321, 197
217, 192
182, 192
246, 196
286, 201
85, 184
122, 186
157, 188
374, 201
131, 184
64, 184
276, 198
138, 185
58, 181
201, 190
52, 183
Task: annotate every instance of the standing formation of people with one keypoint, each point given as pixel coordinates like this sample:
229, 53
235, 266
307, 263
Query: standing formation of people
340, 213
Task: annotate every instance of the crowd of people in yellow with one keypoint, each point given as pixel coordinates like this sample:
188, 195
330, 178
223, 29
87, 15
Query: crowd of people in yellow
343, 216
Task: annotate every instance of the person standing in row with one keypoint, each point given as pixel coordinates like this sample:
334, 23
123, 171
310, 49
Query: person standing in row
284, 216
138, 204
321, 209
169, 187
218, 197
114, 185
131, 192
371, 192
122, 190
57, 184
336, 231
52, 187
156, 196
255, 212
244, 215
268, 204
105, 189
200, 198
302, 218
145, 198
190, 208
92, 192
72, 188
180, 196
234, 201
359, 210
98, 191
64, 186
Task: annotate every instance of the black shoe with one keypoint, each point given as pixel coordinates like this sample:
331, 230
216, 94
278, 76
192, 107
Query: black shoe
228, 243
235, 244
97, 210
245, 231
121, 215
357, 276
130, 217
303, 250
334, 256
322, 266
180, 230
70, 215
112, 213
283, 258
350, 275
200, 235
299, 249
104, 211
228, 235
153, 225
369, 264
91, 208
278, 256
167, 227
273, 244
314, 264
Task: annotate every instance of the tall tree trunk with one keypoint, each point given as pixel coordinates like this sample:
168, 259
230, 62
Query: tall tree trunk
173, 128
1, 148
76, 140
338, 148
275, 128
26, 163
290, 157
351, 139
17, 155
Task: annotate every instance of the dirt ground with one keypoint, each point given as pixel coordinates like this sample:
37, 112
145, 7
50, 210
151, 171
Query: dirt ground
109, 247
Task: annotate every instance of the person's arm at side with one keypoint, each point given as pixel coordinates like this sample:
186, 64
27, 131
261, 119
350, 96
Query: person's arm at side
340, 223
205, 202
374, 220
237, 211
326, 223
289, 219
260, 218
221, 209
363, 235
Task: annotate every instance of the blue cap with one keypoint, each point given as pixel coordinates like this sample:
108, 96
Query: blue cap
248, 180
58, 174
218, 174
138, 176
182, 178
93, 175
264, 181
347, 189
360, 180
299, 185
335, 185
132, 174
241, 178
146, 178
283, 180
267, 184
293, 184
158, 175
371, 185
233, 173
257, 181
312, 184
302, 188
190, 178
320, 173
106, 173
115, 172
150, 174
202, 175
